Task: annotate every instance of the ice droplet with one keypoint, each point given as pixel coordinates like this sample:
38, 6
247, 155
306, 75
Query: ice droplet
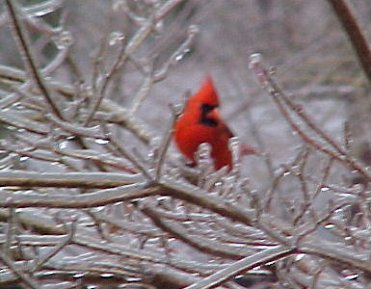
71, 137
234, 147
349, 275
115, 37
18, 106
63, 145
79, 275
133, 279
23, 159
329, 226
159, 27
101, 141
299, 257
179, 57
255, 58
182, 54
63, 40
203, 155
43, 12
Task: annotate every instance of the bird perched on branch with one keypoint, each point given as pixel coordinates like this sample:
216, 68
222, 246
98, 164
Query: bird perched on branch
200, 123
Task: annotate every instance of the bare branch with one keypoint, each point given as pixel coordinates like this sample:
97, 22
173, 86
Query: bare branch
29, 59
357, 38
243, 265
202, 244
89, 200
21, 275
66, 180
57, 249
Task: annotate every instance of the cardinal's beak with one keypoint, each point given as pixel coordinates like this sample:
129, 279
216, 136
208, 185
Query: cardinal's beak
214, 114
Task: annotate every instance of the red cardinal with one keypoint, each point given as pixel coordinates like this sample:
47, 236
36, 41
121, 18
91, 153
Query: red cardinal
201, 122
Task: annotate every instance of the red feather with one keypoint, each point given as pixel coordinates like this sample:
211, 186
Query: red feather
201, 122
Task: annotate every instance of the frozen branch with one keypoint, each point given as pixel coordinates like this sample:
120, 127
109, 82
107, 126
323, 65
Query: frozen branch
241, 266
89, 200
66, 180
197, 242
357, 38
29, 59
281, 100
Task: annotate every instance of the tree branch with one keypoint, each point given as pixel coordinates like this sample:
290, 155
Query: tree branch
356, 37
243, 265
29, 59
91, 180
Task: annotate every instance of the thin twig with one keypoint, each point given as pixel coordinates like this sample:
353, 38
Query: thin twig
138, 164
165, 145
58, 248
27, 55
9, 231
101, 92
198, 242
286, 106
22, 275
308, 204
116, 113
143, 90
128, 49
179, 53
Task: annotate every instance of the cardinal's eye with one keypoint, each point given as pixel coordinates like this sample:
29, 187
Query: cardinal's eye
206, 108
205, 118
